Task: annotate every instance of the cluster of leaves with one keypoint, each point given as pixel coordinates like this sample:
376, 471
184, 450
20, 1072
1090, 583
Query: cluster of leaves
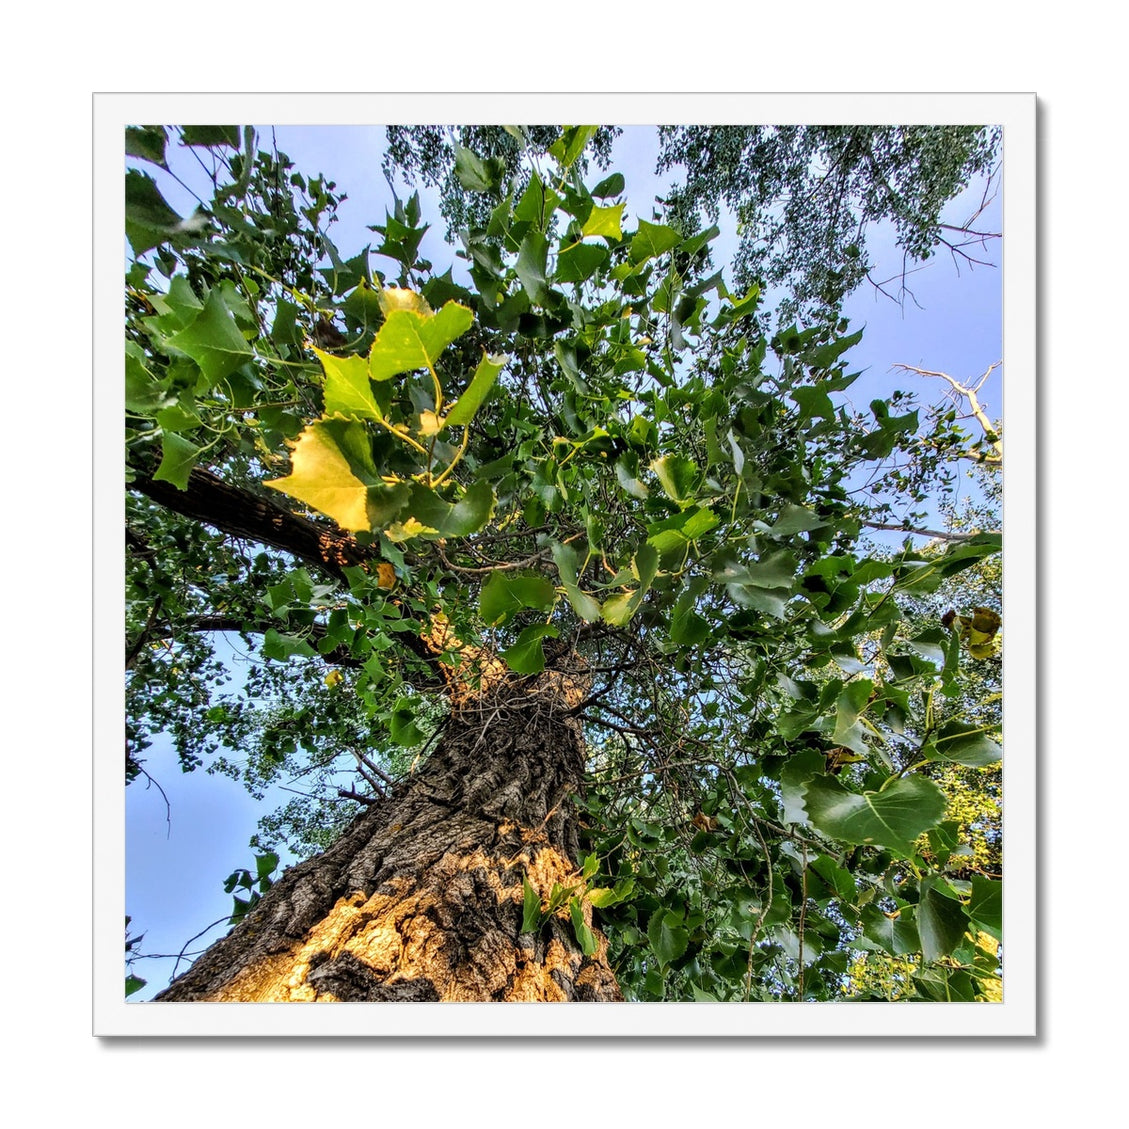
804, 196
590, 441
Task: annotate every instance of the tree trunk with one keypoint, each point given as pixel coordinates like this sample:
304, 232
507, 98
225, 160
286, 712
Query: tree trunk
422, 897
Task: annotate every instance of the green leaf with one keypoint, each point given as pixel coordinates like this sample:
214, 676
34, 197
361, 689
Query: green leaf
147, 142
678, 531
531, 267
402, 727
585, 938
480, 384
178, 457
504, 594
580, 261
667, 936
134, 984
985, 906
773, 571
795, 519
619, 609
610, 186
604, 222
527, 656
800, 768
451, 519
678, 476
283, 647
941, 921
896, 935
413, 338
848, 708
963, 744
530, 907
651, 240
149, 218
265, 864
893, 817
568, 147
567, 563
211, 136
213, 340
475, 174
348, 388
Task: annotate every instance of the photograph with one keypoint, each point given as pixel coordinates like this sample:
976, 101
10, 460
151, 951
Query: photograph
565, 564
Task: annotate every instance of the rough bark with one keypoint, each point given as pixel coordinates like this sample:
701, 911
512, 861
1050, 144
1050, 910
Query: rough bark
421, 898
240, 513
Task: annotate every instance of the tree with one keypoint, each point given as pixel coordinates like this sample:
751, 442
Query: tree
804, 196
563, 558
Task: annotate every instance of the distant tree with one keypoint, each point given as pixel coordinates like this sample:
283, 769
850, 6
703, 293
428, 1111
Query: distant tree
805, 197
563, 566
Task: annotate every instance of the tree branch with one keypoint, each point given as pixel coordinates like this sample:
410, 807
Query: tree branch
238, 512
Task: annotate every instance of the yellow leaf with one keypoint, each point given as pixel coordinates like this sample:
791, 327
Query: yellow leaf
385, 575
395, 298
406, 530
333, 678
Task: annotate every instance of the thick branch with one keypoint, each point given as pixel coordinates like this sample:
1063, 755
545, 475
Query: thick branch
240, 513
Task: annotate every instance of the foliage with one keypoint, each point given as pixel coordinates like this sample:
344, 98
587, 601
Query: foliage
804, 196
584, 443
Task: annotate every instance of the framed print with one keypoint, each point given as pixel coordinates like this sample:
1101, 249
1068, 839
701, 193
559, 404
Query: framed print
565, 564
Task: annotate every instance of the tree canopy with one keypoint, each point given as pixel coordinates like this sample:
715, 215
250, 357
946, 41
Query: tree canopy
580, 464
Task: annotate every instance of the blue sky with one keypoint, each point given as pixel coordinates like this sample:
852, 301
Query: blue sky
175, 866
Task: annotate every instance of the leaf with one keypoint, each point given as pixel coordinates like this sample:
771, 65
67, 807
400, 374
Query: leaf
893, 817
480, 384
651, 240
531, 267
582, 603
284, 647
402, 727
678, 476
619, 609
178, 457
667, 936
348, 388
413, 337
985, 906
332, 471
149, 218
211, 136
527, 656
475, 174
265, 864
530, 908
848, 708
580, 261
585, 938
895, 934
568, 147
795, 519
963, 744
451, 519
941, 921
134, 984
610, 186
504, 594
800, 768
604, 222
147, 142
213, 340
